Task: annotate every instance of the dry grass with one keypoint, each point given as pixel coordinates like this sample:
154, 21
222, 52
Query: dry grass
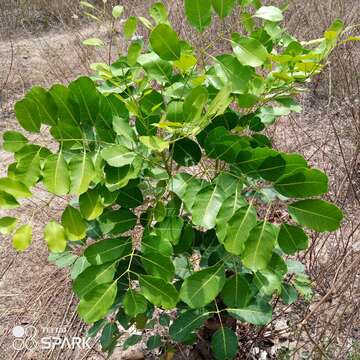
45, 47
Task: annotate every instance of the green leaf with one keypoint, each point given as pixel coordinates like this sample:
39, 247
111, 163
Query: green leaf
54, 235
159, 13
170, 229
186, 152
227, 210
130, 27
153, 342
237, 75
92, 277
272, 167
56, 175
317, 215
131, 341
185, 325
67, 109
194, 104
7, 201
91, 206
82, 173
73, 223
198, 13
78, 267
224, 344
202, 287
118, 155
47, 109
248, 50
27, 114
206, 206
223, 7
7, 225
14, 187
84, 92
292, 239
93, 42
97, 303
134, 51
108, 250
165, 42
156, 68
236, 292
158, 265
186, 186
267, 281
151, 243
117, 11
117, 221
134, 303
270, 13
22, 237
130, 197
302, 183
257, 314
154, 143
28, 169
109, 337
158, 292
239, 228
288, 294
259, 246
14, 141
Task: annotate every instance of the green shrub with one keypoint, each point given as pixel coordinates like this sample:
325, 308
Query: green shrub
158, 142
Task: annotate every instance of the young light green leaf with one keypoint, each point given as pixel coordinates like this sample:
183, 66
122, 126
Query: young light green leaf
224, 344
96, 303
130, 27
14, 187
82, 172
56, 176
202, 287
117, 11
249, 51
118, 155
159, 13
317, 215
93, 42
154, 143
54, 235
7, 201
270, 13
158, 292
165, 42
198, 13
22, 237
73, 223
7, 225
91, 206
